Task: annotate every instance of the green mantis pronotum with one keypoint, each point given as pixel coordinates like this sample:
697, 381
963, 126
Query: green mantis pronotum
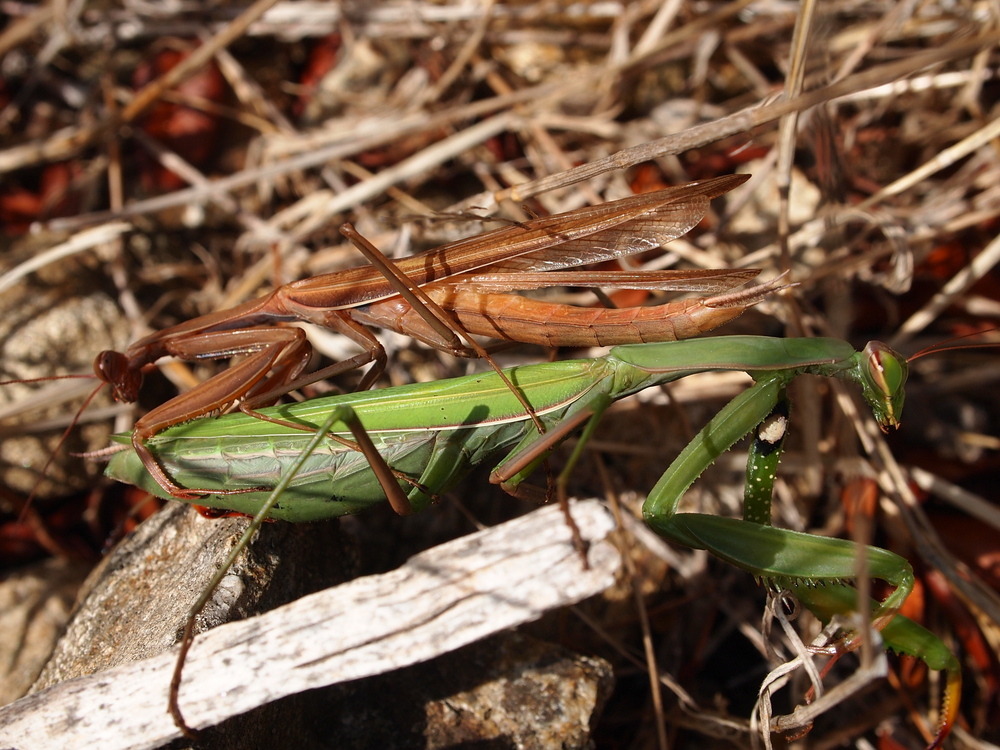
432, 434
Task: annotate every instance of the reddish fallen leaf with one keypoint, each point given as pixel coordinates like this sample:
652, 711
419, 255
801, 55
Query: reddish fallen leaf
323, 58
20, 205
967, 630
859, 498
505, 147
190, 132
726, 156
973, 542
647, 178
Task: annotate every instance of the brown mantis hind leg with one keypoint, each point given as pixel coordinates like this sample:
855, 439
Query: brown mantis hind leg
447, 327
196, 608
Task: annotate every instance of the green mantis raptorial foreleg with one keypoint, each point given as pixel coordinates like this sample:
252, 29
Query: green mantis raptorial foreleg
432, 434
899, 633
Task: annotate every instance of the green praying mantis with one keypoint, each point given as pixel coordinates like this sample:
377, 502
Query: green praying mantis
419, 440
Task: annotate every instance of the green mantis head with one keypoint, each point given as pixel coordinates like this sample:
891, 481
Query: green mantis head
882, 374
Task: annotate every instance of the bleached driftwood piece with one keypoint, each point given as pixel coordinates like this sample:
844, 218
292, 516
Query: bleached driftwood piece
438, 601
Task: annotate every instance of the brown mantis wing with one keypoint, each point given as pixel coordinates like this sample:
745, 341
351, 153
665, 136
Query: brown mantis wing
588, 235
514, 318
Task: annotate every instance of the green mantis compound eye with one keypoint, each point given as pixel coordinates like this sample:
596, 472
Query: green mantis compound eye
883, 376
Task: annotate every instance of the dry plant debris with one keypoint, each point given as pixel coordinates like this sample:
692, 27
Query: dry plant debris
160, 163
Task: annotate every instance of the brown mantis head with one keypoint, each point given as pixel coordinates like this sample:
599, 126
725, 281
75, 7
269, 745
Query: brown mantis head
114, 369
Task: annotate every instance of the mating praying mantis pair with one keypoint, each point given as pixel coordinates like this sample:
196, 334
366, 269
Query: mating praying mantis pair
456, 287
426, 437
419, 440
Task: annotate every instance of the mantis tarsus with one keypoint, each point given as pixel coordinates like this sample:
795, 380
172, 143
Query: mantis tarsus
431, 434
462, 280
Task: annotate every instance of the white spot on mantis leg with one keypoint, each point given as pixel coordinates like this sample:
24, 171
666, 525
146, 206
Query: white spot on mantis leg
772, 430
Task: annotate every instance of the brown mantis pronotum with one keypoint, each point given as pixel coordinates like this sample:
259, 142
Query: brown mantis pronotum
466, 279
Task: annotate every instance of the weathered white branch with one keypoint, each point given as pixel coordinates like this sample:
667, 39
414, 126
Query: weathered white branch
437, 602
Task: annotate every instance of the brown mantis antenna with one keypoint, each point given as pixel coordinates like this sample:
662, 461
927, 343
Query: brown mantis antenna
27, 514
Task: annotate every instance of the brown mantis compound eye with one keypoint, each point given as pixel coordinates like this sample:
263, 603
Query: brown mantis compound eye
113, 368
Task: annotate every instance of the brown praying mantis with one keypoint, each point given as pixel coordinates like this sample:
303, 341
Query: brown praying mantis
465, 281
